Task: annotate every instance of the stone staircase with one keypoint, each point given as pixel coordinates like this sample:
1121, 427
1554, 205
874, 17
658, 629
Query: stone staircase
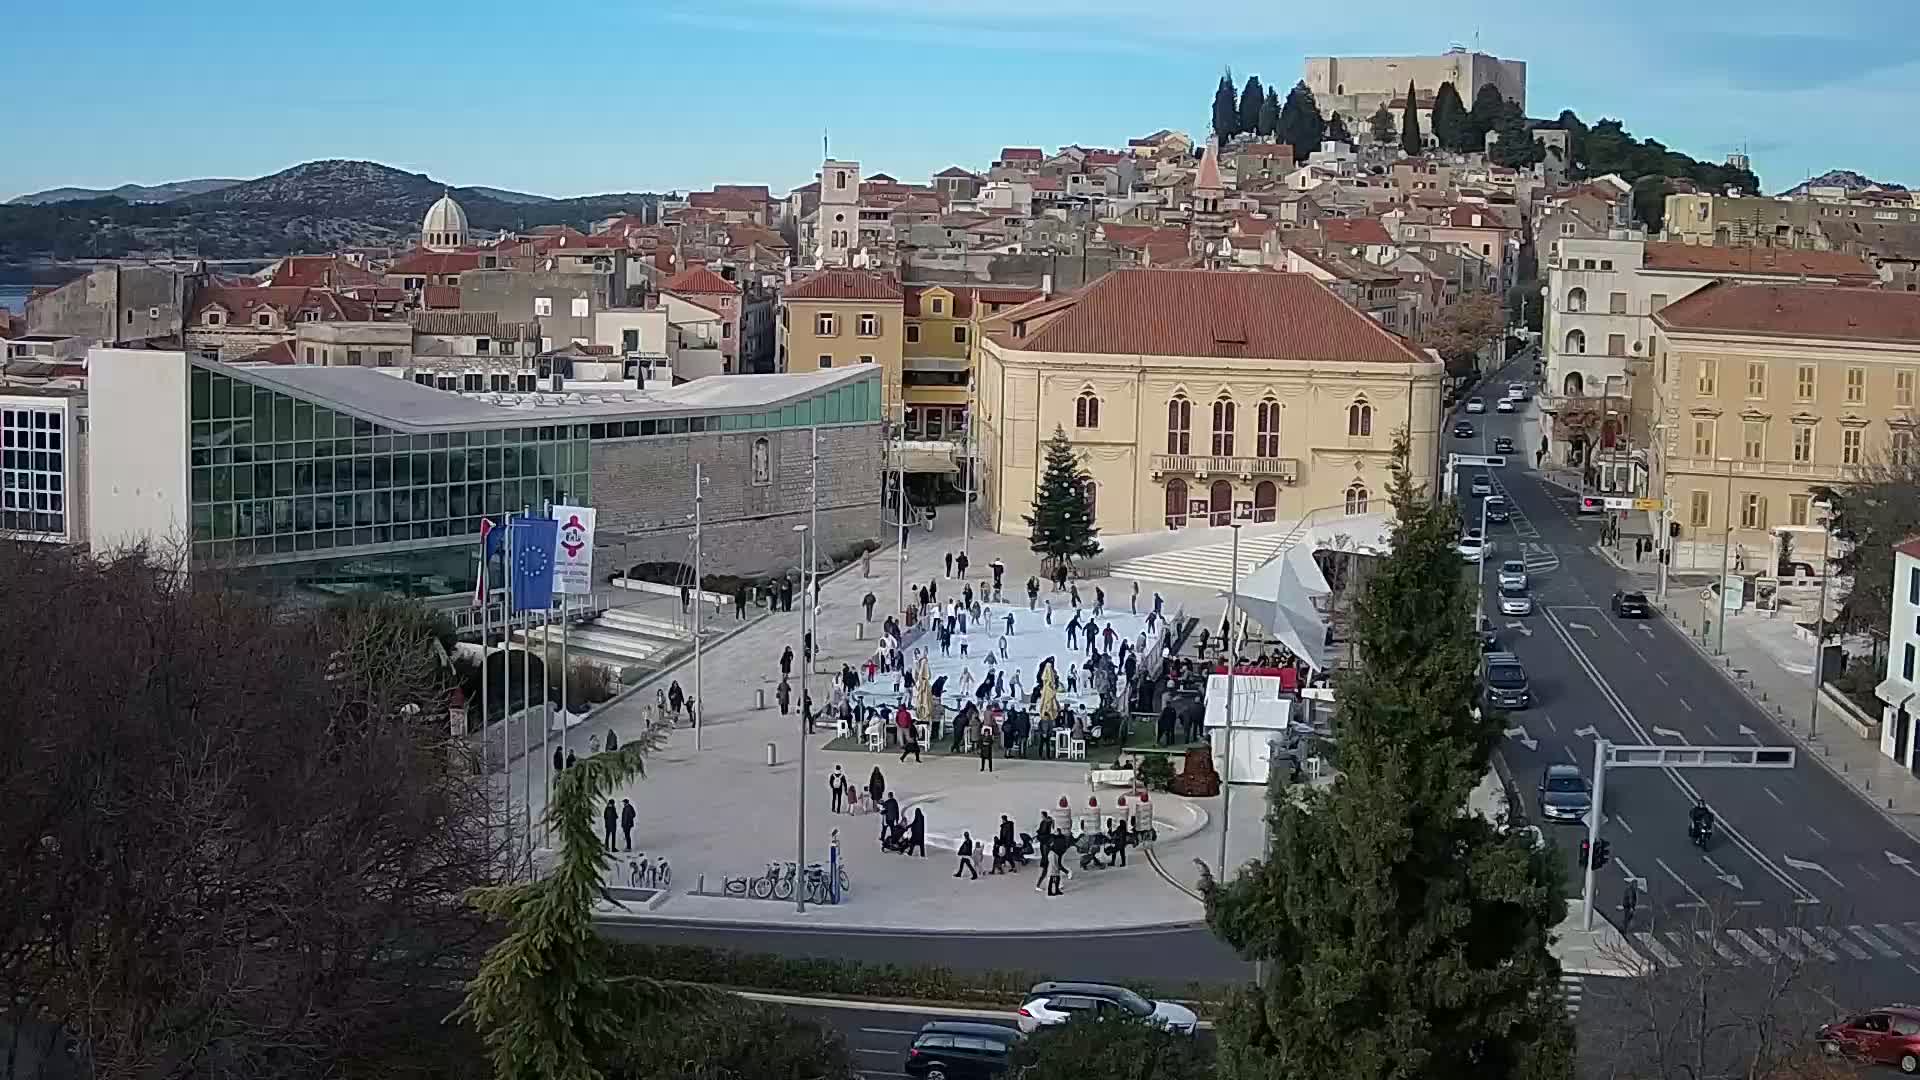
1208, 566
622, 639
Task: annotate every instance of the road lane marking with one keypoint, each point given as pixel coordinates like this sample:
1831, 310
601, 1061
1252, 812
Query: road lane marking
1662, 863
1750, 945
1812, 944
1662, 678
1784, 946
1898, 937
888, 1031
1622, 822
1683, 704
1771, 795
1726, 954
1659, 952
1874, 943
1816, 835
1871, 876
1835, 937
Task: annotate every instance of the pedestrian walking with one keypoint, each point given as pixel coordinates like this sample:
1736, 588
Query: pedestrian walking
1073, 596
949, 564
876, 786
626, 822
867, 602
1099, 599
1043, 844
999, 571
909, 742
686, 599
610, 817
559, 759
961, 563
569, 759
837, 787
740, 604
917, 834
1049, 613
1009, 624
783, 694
1133, 602
986, 746
786, 662
1033, 593
889, 812
1056, 867
806, 712
966, 855
613, 741
866, 565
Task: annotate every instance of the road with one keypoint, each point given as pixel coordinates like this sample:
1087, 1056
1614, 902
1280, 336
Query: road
1802, 871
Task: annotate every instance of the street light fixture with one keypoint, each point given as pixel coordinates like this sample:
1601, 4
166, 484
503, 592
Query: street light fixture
1726, 550
1823, 511
800, 849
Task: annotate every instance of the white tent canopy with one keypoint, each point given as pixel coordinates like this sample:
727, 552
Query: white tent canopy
1277, 597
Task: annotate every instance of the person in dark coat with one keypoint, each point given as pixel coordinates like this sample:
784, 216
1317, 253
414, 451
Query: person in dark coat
1043, 843
626, 821
786, 661
613, 741
559, 759
966, 856
917, 833
610, 817
1167, 720
889, 812
986, 749
569, 759
876, 786
867, 602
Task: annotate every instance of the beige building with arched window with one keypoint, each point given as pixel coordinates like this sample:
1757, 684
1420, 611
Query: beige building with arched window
1196, 395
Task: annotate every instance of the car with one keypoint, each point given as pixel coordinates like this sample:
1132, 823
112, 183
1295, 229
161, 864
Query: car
1518, 391
1473, 547
1631, 605
1889, 1035
1482, 484
956, 1050
1564, 793
1463, 430
1513, 572
1496, 509
1489, 639
1050, 1003
1506, 681
1475, 405
1515, 600
1502, 445
1503, 405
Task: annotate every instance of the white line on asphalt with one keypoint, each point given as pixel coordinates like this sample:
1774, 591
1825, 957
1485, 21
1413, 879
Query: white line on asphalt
1771, 795
1750, 945
1639, 654
1835, 937
1816, 834
884, 1053
1660, 952
1662, 863
876, 1006
1715, 943
1620, 821
1870, 874
1662, 678
1568, 750
1898, 937
1812, 944
888, 1031
1784, 945
1874, 943
1683, 704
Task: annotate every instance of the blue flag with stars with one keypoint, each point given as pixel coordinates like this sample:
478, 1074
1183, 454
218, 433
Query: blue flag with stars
530, 544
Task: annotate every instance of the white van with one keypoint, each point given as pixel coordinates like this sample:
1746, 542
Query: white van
1516, 391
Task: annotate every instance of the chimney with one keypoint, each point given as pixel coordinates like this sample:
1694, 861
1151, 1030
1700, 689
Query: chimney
1046, 285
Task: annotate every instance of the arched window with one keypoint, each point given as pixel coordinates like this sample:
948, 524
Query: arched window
1092, 491
1086, 410
1266, 497
1220, 503
1223, 417
1360, 418
1179, 425
1356, 498
1266, 441
1574, 384
1176, 503
1576, 299
1576, 341
762, 462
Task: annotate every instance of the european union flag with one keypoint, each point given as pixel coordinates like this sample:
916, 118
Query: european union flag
530, 544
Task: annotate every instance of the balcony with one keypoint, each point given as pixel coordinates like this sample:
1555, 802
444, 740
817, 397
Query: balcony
1774, 470
1286, 470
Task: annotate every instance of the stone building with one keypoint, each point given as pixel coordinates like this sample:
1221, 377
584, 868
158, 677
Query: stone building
1355, 86
114, 305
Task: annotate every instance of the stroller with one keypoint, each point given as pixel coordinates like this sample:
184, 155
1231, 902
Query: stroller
896, 839
1089, 845
1013, 858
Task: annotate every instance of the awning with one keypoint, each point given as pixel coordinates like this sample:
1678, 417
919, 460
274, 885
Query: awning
1895, 692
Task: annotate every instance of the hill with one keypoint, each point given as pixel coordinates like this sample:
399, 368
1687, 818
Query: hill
313, 207
133, 193
1842, 178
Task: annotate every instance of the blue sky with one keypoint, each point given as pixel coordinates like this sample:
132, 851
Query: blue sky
568, 97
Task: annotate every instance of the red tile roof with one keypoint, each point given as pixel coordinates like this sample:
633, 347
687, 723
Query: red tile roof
434, 263
1351, 231
1263, 149
1046, 183
1462, 217
719, 199
1139, 236
1021, 153
440, 297
280, 352
1849, 269
321, 271
1797, 311
289, 301
1215, 313
697, 280
1909, 547
844, 285
1105, 157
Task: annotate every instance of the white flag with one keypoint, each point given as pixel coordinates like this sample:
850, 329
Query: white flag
573, 551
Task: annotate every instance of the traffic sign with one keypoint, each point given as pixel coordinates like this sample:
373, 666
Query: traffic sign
1496, 461
1632, 504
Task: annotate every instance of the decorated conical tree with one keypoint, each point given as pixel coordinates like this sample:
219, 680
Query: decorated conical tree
1062, 518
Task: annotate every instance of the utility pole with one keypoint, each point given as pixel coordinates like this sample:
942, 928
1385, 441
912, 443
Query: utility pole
1825, 510
1233, 655
800, 817
699, 688
1593, 830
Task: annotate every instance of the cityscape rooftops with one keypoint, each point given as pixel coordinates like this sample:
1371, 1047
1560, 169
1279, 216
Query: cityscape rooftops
844, 285
1662, 255
1800, 311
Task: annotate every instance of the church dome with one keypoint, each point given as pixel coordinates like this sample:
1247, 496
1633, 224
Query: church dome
445, 226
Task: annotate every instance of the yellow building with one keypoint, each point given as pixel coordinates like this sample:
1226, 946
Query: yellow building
1763, 391
942, 334
838, 318
1196, 395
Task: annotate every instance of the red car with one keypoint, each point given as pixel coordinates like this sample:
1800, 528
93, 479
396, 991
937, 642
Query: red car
1889, 1035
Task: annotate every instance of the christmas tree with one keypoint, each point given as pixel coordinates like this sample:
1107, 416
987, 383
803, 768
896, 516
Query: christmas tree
1062, 518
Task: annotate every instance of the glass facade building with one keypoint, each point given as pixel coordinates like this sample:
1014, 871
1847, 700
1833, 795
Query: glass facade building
33, 469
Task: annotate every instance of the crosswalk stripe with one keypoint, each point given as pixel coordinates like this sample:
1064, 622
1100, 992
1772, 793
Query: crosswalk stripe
1658, 951
1681, 944
1780, 943
1898, 937
1835, 937
1726, 954
1912, 928
1874, 943
1813, 944
1750, 945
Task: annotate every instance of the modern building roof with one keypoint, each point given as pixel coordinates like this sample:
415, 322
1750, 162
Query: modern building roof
1788, 262
406, 406
1227, 314
1798, 311
843, 285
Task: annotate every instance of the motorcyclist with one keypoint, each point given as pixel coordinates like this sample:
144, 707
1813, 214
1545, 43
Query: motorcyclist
1700, 820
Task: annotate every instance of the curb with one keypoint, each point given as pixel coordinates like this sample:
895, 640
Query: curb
1153, 860
870, 930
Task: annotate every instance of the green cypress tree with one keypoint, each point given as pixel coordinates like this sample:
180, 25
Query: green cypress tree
1270, 113
1383, 129
1403, 936
1410, 141
1489, 105
1337, 130
1252, 97
1062, 518
1226, 108
1450, 119
1301, 125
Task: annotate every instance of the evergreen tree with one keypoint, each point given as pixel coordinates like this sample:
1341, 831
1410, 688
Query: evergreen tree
1489, 105
1252, 97
1403, 936
1301, 125
1383, 127
1270, 113
1120, 1048
1062, 518
1410, 141
1516, 148
1226, 109
1337, 130
1450, 119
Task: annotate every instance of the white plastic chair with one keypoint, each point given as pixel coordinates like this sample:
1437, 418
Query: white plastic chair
1077, 750
923, 732
1062, 743
841, 728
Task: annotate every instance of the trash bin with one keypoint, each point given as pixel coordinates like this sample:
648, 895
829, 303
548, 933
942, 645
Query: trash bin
773, 755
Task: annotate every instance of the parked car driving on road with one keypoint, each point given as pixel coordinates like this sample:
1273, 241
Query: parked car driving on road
1503, 405
1475, 405
956, 1050
1473, 547
1482, 484
1632, 605
1885, 1036
1496, 510
1502, 445
1051, 1003
1515, 600
1506, 682
1513, 572
1564, 794
1463, 430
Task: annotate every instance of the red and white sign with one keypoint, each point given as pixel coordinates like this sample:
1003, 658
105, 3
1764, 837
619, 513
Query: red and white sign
573, 550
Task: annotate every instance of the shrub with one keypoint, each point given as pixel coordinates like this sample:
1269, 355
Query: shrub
1154, 772
589, 683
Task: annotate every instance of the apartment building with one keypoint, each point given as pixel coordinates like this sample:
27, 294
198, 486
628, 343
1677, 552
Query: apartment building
841, 318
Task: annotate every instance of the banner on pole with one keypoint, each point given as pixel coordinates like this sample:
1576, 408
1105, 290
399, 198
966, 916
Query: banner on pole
573, 553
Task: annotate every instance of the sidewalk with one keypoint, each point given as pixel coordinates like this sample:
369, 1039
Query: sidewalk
1761, 662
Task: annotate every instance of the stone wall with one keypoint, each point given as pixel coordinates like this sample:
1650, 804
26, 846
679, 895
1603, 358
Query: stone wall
643, 489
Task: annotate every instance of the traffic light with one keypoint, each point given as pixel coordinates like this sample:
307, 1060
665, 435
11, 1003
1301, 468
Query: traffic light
1586, 853
1601, 854
1591, 504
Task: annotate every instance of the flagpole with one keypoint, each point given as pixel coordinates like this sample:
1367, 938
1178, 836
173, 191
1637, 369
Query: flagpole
506, 673
546, 705
699, 687
486, 595
526, 708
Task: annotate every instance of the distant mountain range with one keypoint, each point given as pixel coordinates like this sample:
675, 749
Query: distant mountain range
1845, 178
133, 193
315, 207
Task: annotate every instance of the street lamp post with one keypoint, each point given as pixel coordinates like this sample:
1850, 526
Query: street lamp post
1825, 510
1480, 573
1726, 550
800, 818
1226, 756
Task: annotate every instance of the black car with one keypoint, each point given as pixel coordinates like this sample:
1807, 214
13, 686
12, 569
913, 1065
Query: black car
1463, 430
955, 1050
1503, 445
1489, 638
1632, 605
1496, 510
